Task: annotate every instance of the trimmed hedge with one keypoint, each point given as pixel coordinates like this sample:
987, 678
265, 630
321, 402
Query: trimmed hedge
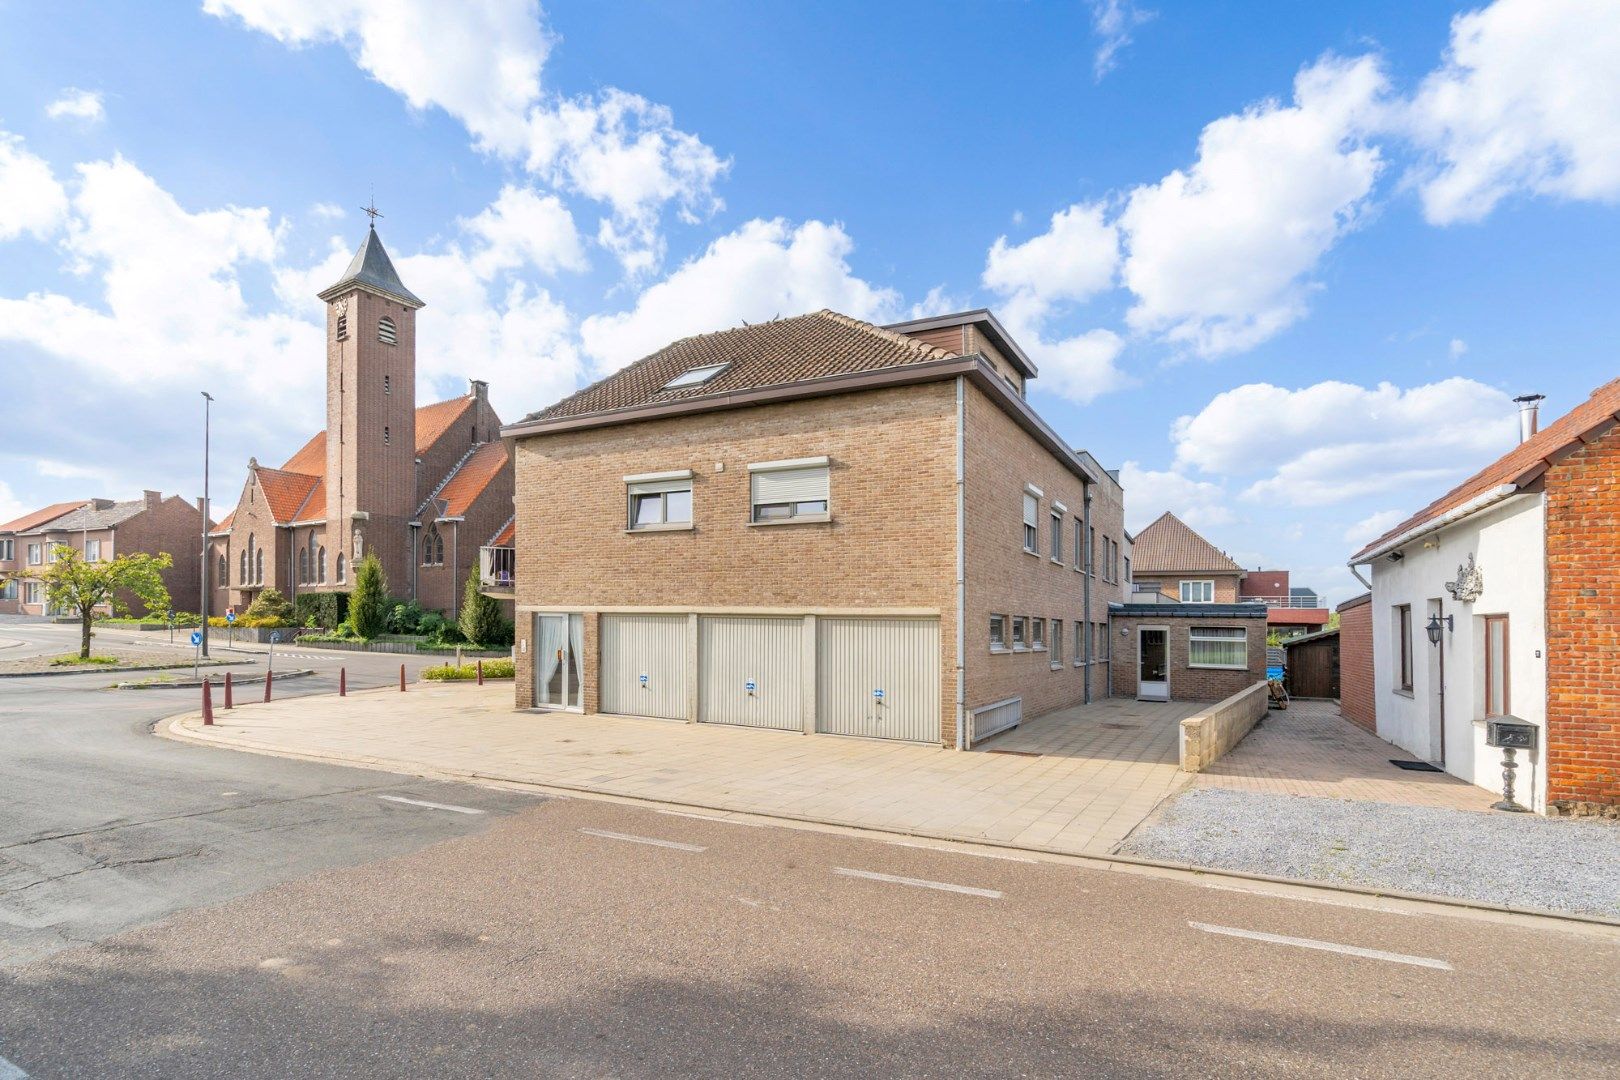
325, 609
493, 669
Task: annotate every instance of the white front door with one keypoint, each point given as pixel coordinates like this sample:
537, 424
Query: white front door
1152, 664
558, 641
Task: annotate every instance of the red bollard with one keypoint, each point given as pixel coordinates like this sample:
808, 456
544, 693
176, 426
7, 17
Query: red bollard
208, 704
480, 672
343, 682
402, 678
227, 690
267, 677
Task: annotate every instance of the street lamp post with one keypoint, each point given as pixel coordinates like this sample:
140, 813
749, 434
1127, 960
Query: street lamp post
208, 401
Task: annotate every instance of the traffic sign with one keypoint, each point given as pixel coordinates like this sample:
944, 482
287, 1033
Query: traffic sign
275, 637
196, 637
230, 615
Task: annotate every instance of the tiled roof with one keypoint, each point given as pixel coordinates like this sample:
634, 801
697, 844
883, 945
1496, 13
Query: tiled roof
1297, 616
225, 525
1521, 465
811, 346
1169, 544
311, 457
99, 514
286, 492
432, 421
41, 516
372, 268
506, 536
468, 481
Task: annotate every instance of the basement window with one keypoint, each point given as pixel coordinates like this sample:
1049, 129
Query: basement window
696, 377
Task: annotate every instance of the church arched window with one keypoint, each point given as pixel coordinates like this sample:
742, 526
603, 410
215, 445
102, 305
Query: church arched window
258, 567
386, 331
243, 568
303, 567
342, 570
320, 565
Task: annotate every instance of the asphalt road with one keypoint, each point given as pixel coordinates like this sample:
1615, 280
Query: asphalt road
587, 938
104, 826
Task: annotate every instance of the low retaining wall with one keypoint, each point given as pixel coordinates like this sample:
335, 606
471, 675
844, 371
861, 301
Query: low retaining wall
405, 648
1207, 735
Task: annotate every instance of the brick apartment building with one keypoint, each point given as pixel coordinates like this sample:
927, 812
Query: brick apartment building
816, 525
102, 529
1514, 575
424, 487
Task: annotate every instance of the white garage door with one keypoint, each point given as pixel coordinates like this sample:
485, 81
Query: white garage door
644, 665
879, 678
751, 672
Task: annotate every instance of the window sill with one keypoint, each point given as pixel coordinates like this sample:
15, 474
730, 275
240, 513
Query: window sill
1404, 693
1218, 667
1032, 551
1000, 650
807, 519
1057, 665
1057, 562
680, 526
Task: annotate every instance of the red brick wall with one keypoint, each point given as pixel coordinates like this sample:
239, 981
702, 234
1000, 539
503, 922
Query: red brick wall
1583, 626
1356, 701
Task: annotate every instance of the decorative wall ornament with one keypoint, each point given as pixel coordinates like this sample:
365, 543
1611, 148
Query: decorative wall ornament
1469, 584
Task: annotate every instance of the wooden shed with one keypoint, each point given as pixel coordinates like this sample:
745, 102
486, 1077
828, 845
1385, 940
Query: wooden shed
1313, 665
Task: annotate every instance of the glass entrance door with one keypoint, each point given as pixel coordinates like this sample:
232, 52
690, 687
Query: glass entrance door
558, 640
1153, 677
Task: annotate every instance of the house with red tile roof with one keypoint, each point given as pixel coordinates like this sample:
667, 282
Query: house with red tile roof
424, 487
1500, 600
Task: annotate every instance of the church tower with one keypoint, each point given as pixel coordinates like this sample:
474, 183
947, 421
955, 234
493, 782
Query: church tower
371, 413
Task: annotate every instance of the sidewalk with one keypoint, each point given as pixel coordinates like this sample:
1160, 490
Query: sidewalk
1082, 800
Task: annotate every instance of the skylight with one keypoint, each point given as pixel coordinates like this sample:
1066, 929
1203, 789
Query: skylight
696, 377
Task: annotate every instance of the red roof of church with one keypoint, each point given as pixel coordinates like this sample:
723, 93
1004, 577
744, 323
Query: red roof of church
311, 457
285, 492
506, 536
434, 420
470, 479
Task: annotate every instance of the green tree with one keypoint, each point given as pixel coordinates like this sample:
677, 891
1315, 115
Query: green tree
81, 587
480, 615
366, 612
271, 608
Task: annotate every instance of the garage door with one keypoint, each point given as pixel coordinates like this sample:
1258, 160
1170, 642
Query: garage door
644, 665
751, 672
879, 678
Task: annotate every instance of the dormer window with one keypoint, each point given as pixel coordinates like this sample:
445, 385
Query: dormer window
386, 332
696, 377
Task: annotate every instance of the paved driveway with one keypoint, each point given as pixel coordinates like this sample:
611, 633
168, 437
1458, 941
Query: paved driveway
1077, 781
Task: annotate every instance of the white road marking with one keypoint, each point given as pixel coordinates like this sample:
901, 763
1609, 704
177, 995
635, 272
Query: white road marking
1325, 946
431, 805
676, 844
921, 883
962, 851
8, 1071
1363, 903
708, 817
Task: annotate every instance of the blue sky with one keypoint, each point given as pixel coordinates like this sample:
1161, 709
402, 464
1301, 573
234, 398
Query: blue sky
1286, 264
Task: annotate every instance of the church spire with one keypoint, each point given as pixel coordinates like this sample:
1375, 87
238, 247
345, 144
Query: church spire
372, 269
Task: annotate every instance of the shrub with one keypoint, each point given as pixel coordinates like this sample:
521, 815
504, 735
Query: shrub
366, 614
324, 609
404, 617
493, 669
480, 615
269, 608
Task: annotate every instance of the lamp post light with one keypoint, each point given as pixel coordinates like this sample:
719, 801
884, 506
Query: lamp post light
208, 401
1435, 623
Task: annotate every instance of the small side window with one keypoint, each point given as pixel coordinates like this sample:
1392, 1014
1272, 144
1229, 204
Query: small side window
998, 633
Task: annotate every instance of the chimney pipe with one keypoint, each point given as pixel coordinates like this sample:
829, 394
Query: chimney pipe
1529, 415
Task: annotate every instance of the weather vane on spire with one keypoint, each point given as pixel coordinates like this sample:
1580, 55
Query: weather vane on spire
371, 208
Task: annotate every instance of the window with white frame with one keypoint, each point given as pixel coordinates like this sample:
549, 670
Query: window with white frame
1218, 647
1057, 536
1032, 509
92, 551
8, 589
50, 553
796, 490
32, 592
1037, 633
659, 500
1020, 632
1101, 652
998, 633
1497, 683
8, 550
1057, 642
1079, 530
1198, 592
1079, 642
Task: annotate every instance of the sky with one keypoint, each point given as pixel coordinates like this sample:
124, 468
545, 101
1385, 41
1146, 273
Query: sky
1285, 265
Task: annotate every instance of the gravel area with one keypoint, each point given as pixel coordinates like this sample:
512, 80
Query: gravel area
1555, 864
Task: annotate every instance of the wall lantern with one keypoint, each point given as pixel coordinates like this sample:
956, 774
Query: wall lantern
1433, 628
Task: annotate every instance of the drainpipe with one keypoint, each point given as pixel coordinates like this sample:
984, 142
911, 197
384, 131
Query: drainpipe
961, 576
455, 567
1091, 561
416, 568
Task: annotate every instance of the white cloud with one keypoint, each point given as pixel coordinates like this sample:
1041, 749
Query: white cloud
31, 200
483, 67
762, 270
524, 228
1457, 349
1219, 256
1080, 367
1374, 525
1112, 22
1149, 493
11, 507
1334, 441
1526, 100
76, 104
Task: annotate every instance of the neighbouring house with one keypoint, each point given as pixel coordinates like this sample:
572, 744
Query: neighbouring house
1357, 698
814, 524
424, 487
1182, 566
1170, 651
1290, 609
101, 530
1502, 598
